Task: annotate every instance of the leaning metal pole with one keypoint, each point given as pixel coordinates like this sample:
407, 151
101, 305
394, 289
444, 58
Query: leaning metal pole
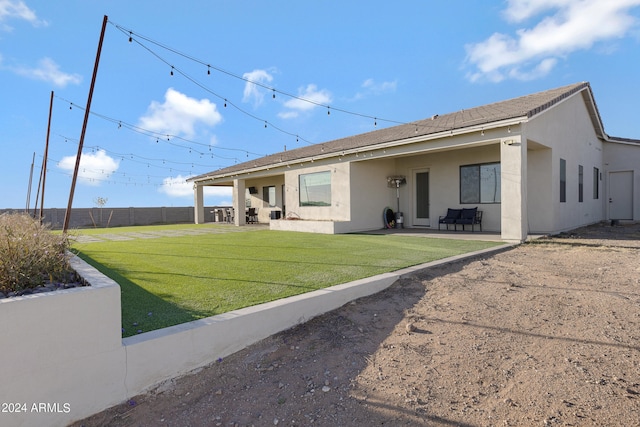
67, 214
43, 173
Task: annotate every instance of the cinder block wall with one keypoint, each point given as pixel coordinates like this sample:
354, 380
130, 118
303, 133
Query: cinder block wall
121, 217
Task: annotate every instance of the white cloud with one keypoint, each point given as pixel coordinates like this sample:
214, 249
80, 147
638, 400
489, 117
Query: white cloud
179, 114
371, 87
378, 88
252, 92
177, 186
48, 71
568, 26
94, 167
11, 9
309, 97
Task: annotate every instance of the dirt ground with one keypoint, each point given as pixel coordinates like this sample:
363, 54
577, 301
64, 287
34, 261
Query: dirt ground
546, 333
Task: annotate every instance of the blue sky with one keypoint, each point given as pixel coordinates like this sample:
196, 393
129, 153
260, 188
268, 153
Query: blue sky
283, 64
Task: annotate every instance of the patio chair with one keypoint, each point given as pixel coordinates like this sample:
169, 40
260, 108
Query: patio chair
229, 213
252, 215
450, 218
470, 216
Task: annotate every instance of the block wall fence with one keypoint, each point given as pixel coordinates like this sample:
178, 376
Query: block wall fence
121, 217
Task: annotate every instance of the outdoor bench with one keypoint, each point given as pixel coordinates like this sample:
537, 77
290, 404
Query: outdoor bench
465, 216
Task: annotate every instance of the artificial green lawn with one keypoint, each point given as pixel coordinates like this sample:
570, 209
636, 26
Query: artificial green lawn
171, 280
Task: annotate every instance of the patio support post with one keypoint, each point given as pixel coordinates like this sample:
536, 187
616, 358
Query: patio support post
513, 165
239, 202
198, 194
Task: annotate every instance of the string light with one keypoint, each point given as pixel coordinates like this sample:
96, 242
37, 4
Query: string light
237, 76
169, 138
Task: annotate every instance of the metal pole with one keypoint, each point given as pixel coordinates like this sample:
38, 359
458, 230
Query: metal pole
67, 214
29, 187
44, 161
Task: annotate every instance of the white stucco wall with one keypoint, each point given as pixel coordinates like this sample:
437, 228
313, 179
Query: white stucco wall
370, 194
620, 157
567, 129
340, 209
257, 200
444, 182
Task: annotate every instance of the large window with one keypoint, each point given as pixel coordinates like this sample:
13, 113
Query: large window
596, 183
480, 183
315, 189
269, 196
563, 180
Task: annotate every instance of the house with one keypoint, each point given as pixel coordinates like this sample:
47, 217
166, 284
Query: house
537, 164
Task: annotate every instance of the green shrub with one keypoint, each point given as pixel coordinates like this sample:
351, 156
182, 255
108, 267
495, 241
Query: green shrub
30, 253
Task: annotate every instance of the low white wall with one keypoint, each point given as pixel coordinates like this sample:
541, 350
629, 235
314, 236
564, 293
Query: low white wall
62, 349
308, 226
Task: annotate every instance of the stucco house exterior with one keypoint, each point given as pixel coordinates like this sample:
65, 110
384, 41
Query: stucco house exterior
537, 164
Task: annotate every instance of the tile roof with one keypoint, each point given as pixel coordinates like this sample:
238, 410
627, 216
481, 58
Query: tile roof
525, 106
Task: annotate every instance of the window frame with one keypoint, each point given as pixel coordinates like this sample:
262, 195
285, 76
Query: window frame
473, 175
269, 196
323, 179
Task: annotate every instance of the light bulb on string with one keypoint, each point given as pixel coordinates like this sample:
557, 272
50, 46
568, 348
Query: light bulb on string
274, 94
172, 70
208, 70
328, 111
375, 121
130, 38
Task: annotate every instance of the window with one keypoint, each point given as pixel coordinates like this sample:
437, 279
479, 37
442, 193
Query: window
315, 189
596, 183
480, 183
563, 180
269, 196
580, 183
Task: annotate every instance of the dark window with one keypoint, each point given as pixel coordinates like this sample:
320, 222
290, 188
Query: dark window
596, 183
480, 183
269, 196
563, 180
315, 189
580, 183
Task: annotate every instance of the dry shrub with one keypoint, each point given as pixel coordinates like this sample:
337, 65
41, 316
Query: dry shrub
30, 253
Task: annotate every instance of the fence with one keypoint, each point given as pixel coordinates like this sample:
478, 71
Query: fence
119, 217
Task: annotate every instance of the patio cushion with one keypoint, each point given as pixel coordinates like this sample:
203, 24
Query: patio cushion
467, 216
452, 216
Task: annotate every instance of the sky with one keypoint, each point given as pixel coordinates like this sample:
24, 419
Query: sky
185, 89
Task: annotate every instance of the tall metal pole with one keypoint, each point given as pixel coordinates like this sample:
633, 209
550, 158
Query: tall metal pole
67, 214
45, 159
29, 188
